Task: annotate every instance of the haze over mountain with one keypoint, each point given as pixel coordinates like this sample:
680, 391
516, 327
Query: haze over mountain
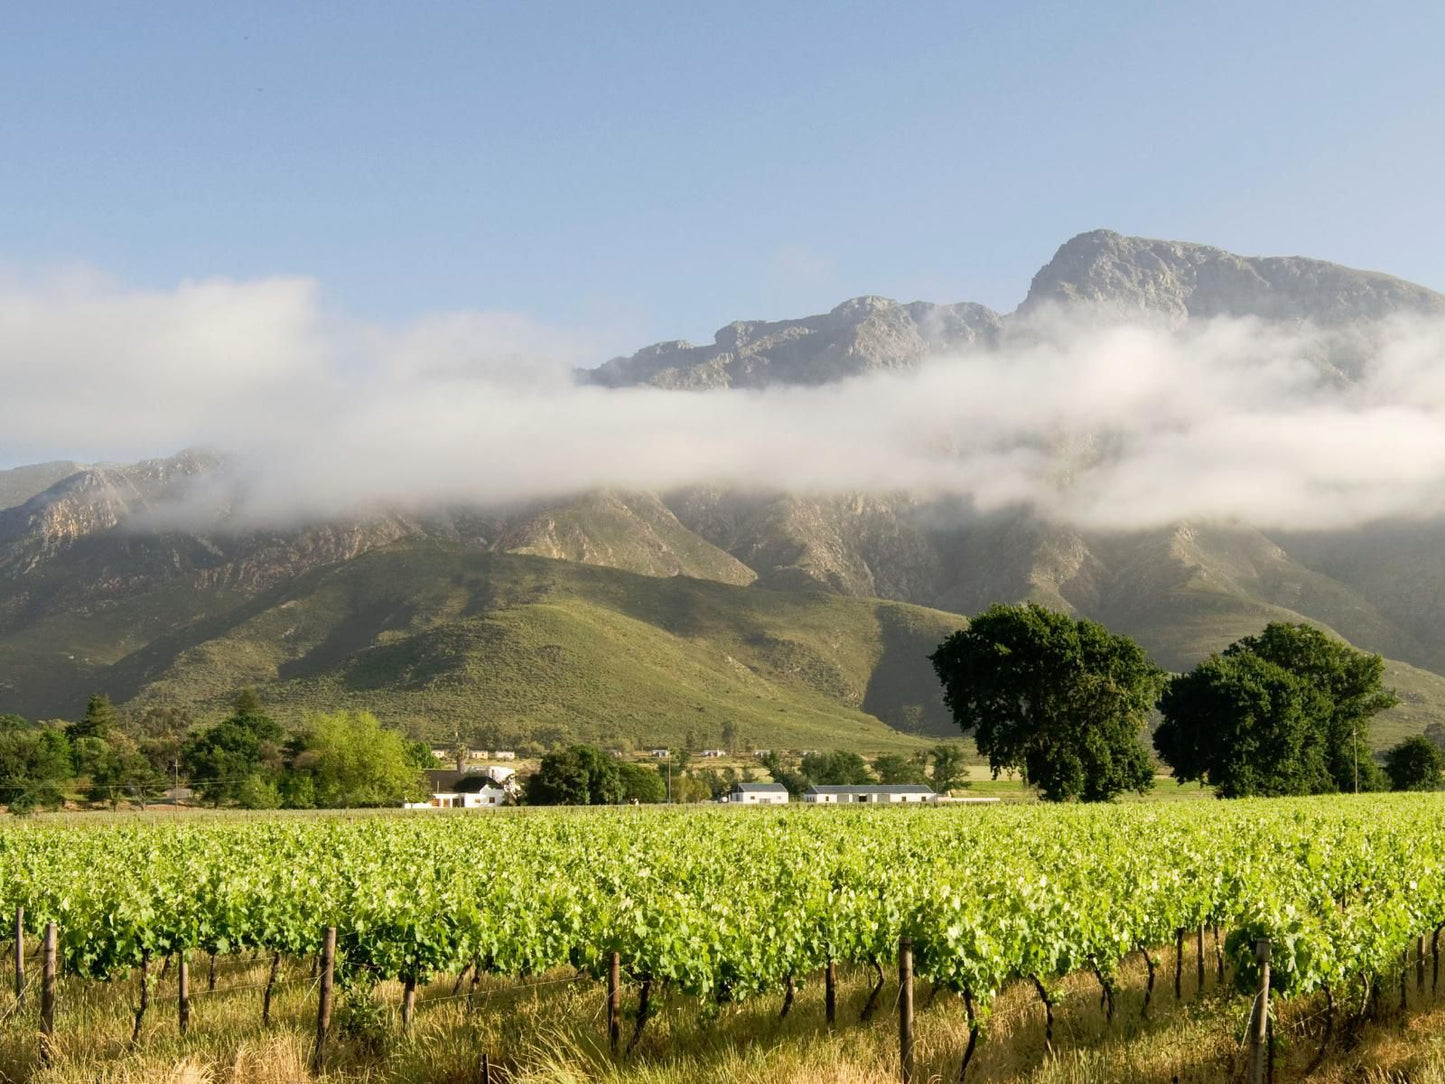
1178, 441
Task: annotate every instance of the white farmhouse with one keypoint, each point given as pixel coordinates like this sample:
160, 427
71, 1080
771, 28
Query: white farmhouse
758, 794
874, 793
458, 790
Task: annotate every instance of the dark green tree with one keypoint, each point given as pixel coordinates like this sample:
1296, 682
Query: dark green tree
99, 718
795, 781
1349, 684
1062, 701
576, 775
896, 768
236, 757
1246, 726
118, 771
641, 783
35, 765
838, 768
1415, 764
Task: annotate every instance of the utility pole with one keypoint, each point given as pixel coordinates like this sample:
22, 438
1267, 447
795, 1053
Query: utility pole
1355, 749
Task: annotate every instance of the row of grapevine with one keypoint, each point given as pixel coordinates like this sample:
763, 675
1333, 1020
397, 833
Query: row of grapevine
732, 904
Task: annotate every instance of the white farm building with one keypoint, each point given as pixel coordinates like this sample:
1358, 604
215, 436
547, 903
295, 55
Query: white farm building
758, 794
876, 793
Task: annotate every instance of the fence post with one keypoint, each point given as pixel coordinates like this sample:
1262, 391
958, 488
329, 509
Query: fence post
19, 953
47, 994
905, 1008
614, 1001
1260, 1023
830, 992
323, 1004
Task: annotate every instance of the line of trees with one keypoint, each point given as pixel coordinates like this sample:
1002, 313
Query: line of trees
586, 775
334, 760
841, 768
1067, 704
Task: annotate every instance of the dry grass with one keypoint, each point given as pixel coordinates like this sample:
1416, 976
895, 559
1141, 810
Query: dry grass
553, 1034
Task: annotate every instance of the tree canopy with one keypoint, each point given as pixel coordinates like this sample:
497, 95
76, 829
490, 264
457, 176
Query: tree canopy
1415, 764
839, 768
1284, 712
349, 759
236, 758
1061, 700
576, 775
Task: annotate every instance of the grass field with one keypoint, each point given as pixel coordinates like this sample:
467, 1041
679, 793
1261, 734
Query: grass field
549, 1031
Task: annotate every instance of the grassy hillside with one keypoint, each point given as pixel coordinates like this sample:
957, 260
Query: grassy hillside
432, 635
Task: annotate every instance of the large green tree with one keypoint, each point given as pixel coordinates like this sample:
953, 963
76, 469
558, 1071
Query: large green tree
641, 783
1284, 712
1350, 684
1246, 726
237, 758
34, 765
576, 775
1063, 701
347, 759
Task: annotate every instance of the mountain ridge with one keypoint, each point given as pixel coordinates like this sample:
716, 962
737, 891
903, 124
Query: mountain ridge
97, 585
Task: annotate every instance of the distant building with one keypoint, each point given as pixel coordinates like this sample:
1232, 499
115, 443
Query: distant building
501, 754
461, 790
714, 753
660, 754
875, 793
760, 753
758, 794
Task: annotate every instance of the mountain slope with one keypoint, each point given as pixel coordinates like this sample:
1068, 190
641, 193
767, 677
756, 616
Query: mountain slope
435, 634
19, 484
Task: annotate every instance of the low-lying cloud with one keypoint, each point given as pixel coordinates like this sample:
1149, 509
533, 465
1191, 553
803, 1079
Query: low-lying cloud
1098, 423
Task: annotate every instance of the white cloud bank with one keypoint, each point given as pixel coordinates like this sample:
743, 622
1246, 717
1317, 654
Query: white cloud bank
1097, 424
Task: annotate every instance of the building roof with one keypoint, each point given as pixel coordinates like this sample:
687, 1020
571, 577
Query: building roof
759, 788
872, 788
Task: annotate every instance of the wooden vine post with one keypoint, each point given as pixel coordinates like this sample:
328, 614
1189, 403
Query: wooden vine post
19, 953
1199, 963
614, 1002
1178, 963
1260, 1024
183, 991
905, 1009
323, 1001
47, 994
830, 992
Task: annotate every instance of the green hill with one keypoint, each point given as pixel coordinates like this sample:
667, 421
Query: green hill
431, 635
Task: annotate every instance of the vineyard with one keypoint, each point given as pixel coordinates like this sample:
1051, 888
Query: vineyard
712, 909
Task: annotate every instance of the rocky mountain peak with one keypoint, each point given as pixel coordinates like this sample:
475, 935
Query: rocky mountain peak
863, 334
1182, 280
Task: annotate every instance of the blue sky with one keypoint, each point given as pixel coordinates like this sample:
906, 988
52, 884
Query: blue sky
641, 171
